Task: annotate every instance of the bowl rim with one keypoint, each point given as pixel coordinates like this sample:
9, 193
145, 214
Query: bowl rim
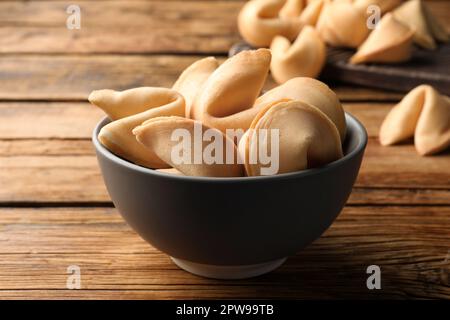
360, 130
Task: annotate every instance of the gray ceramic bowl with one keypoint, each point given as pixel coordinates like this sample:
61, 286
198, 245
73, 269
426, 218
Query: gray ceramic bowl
232, 227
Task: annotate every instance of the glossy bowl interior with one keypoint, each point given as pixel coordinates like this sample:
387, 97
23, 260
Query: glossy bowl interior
232, 221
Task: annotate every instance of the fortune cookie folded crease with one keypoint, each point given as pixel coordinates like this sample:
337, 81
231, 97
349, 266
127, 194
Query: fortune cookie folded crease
121, 104
292, 9
422, 113
259, 21
117, 136
427, 29
342, 24
307, 137
312, 92
228, 96
192, 79
157, 136
304, 58
311, 13
390, 42
211, 99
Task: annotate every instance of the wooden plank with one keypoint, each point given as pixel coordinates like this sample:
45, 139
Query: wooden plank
49, 178
34, 77
66, 170
48, 120
47, 159
45, 147
76, 120
398, 196
402, 166
57, 147
128, 26
56, 77
119, 26
76, 178
371, 115
410, 244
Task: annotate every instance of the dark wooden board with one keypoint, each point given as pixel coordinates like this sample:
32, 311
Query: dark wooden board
425, 67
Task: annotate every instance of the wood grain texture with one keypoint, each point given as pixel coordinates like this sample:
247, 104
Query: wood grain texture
69, 120
77, 178
48, 120
119, 26
55, 162
54, 209
86, 185
73, 77
128, 26
410, 248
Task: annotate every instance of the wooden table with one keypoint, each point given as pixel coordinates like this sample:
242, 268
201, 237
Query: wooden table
54, 209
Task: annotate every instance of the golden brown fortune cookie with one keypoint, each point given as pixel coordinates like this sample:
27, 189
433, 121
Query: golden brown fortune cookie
384, 5
121, 104
227, 98
390, 42
304, 58
307, 138
422, 113
183, 154
342, 24
307, 10
118, 137
416, 15
310, 91
292, 9
259, 22
191, 81
311, 13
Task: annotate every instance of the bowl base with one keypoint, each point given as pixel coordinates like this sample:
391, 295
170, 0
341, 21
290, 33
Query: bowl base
228, 272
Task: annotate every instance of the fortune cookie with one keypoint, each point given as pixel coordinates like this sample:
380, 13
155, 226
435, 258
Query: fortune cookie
307, 138
342, 24
422, 113
121, 104
384, 5
311, 13
390, 42
312, 92
292, 9
259, 21
304, 58
307, 12
227, 98
191, 81
156, 135
118, 137
414, 14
